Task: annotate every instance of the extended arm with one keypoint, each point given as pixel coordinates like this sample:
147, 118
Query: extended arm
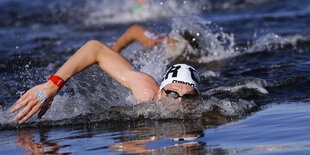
95, 52
91, 53
145, 37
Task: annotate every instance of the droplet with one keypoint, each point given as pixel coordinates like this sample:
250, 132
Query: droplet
161, 3
17, 47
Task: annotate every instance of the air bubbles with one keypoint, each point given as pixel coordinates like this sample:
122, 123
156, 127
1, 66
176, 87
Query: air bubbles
17, 47
161, 3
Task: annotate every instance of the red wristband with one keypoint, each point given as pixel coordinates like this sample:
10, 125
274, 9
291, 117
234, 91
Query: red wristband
58, 81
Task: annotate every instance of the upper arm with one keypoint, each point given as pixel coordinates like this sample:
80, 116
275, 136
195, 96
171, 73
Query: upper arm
143, 86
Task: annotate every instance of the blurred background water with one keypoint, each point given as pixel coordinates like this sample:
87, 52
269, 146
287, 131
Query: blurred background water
253, 61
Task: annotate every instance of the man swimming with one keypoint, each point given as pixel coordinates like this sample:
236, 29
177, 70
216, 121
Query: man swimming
180, 81
177, 43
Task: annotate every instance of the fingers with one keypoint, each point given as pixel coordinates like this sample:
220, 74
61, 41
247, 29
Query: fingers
33, 111
21, 102
25, 96
25, 110
42, 112
33, 100
44, 108
31, 105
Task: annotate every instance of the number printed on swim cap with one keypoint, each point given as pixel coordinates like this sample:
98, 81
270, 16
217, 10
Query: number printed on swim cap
173, 70
181, 73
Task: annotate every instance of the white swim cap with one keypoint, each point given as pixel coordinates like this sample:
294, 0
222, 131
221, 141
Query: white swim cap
181, 73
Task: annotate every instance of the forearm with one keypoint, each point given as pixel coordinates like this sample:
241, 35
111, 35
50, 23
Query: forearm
134, 33
122, 42
41, 96
115, 65
127, 38
82, 59
95, 52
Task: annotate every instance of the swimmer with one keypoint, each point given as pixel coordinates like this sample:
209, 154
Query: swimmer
180, 81
176, 42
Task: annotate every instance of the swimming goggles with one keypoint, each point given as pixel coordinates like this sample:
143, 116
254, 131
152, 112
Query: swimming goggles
176, 95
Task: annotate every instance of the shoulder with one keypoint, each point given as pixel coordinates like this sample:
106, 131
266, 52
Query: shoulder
143, 86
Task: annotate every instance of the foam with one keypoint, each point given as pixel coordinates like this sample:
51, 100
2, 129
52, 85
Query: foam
215, 49
233, 89
72, 111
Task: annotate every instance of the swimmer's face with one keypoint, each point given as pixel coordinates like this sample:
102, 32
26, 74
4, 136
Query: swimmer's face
181, 91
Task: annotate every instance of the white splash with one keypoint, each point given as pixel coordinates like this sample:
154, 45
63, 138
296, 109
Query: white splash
233, 89
217, 45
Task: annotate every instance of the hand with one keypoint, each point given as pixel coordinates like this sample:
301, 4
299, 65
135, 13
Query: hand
151, 42
38, 97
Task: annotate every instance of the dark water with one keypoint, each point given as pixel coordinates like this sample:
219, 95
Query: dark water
253, 58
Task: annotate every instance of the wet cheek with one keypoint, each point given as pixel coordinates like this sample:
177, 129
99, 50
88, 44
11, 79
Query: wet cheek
161, 95
146, 92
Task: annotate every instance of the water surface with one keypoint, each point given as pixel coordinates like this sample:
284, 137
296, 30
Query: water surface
253, 61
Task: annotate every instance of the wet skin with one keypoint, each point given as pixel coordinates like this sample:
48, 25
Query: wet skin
142, 85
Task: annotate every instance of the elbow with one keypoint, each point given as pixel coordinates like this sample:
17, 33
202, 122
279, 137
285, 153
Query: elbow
135, 26
93, 44
94, 48
134, 29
